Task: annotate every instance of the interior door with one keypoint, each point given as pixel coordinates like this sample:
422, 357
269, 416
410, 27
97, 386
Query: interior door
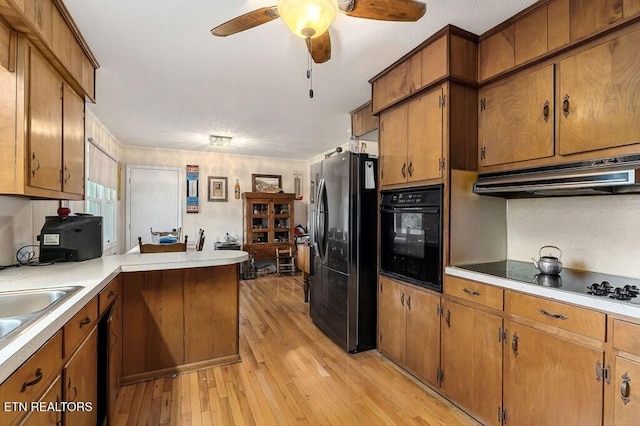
153, 201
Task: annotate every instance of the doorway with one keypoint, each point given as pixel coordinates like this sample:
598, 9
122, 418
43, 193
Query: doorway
153, 201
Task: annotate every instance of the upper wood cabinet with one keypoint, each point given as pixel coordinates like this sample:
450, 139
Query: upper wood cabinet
546, 27
50, 27
411, 145
451, 52
598, 94
516, 119
363, 121
46, 159
564, 111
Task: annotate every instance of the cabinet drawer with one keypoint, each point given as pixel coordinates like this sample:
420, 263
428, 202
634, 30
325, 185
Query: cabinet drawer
571, 318
474, 291
626, 336
79, 326
29, 382
108, 295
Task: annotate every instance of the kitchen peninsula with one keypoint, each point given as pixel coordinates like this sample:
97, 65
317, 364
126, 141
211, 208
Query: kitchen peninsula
178, 311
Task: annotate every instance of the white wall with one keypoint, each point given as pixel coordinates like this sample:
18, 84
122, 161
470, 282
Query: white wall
597, 233
218, 218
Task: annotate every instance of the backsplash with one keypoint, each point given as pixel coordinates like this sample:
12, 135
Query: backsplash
596, 233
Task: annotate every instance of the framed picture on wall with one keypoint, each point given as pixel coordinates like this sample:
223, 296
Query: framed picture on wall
217, 188
266, 183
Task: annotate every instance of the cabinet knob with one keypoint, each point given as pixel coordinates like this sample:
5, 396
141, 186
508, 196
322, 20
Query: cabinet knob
514, 344
545, 111
565, 105
625, 389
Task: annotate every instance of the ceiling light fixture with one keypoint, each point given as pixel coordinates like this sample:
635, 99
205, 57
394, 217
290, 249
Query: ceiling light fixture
220, 141
308, 18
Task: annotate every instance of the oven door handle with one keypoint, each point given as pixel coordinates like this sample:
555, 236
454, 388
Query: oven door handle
426, 210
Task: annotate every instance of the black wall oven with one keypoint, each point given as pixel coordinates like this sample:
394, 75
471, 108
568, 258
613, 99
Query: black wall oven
411, 235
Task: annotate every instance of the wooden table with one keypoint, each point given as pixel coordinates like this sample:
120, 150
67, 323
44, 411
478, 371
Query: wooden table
304, 264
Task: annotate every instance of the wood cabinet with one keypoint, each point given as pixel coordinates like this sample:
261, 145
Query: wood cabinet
548, 27
31, 381
516, 119
473, 336
555, 360
563, 111
47, 159
411, 138
50, 27
80, 377
363, 121
409, 328
472, 359
110, 304
179, 319
268, 223
53, 395
552, 380
451, 52
597, 88
622, 394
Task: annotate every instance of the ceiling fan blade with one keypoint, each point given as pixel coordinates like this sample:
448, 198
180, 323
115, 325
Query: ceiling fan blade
384, 10
246, 21
320, 48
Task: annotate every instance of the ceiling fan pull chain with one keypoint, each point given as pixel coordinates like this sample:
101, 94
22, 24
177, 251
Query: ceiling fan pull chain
310, 68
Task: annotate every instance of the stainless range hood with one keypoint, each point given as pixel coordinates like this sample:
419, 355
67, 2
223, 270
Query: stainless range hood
617, 175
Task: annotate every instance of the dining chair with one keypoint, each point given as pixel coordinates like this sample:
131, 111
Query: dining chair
284, 260
162, 248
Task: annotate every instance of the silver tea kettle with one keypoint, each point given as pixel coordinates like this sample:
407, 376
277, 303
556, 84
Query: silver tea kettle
550, 265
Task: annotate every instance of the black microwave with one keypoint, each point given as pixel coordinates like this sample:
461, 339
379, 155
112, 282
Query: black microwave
411, 227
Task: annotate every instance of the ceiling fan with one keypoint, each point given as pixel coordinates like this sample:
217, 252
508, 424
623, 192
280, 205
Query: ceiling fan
310, 19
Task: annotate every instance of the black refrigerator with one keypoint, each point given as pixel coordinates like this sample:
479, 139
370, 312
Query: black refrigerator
343, 288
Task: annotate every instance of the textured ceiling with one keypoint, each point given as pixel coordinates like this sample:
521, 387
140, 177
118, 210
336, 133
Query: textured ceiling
165, 81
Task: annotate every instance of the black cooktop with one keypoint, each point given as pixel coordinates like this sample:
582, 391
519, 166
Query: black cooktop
612, 287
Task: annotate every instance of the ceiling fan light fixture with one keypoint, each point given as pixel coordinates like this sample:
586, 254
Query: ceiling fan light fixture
308, 18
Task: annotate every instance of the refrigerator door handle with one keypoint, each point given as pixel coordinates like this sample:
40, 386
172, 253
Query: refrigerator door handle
321, 220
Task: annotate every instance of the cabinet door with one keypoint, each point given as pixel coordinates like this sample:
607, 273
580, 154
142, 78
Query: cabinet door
424, 147
81, 382
73, 142
282, 223
45, 123
423, 335
392, 320
45, 417
597, 101
552, 380
516, 119
472, 360
627, 392
393, 145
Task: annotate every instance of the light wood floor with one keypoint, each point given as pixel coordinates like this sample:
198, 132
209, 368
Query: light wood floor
290, 374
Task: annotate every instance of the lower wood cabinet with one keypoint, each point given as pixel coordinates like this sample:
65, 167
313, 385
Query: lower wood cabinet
552, 380
53, 395
472, 346
409, 328
80, 377
622, 392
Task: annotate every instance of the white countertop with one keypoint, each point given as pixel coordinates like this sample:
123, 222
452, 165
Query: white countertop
603, 304
93, 275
